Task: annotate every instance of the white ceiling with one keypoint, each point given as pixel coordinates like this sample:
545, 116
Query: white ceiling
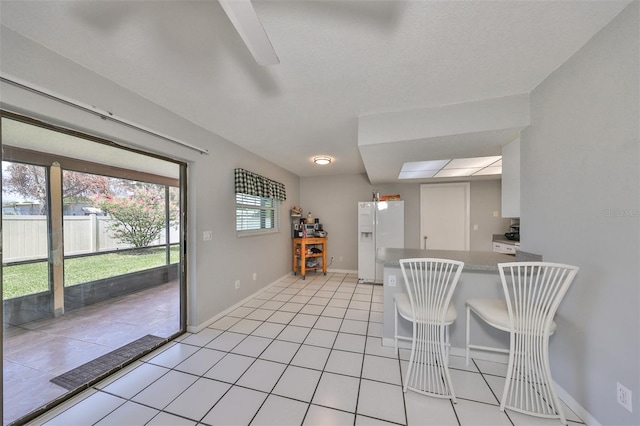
339, 60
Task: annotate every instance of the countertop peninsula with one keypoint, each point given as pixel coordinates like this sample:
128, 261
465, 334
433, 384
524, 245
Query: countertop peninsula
479, 279
473, 260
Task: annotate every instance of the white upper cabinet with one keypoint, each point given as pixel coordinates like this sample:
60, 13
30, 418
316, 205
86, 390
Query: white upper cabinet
511, 179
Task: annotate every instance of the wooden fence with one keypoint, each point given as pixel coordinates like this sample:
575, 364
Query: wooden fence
25, 237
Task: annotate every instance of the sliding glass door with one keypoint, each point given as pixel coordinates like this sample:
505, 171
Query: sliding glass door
92, 264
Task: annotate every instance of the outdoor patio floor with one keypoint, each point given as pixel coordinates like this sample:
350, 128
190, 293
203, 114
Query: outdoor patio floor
36, 352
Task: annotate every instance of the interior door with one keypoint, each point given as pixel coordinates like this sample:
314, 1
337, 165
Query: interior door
444, 216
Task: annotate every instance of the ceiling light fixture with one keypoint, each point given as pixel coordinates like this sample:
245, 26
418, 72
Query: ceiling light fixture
322, 160
458, 167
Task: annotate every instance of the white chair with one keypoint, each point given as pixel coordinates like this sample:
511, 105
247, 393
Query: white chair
427, 304
533, 291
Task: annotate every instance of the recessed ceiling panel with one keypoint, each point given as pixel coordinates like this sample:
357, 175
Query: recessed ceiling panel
493, 170
477, 166
423, 165
418, 174
463, 163
457, 172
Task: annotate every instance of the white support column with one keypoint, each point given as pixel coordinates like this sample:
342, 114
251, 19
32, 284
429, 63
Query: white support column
56, 258
93, 234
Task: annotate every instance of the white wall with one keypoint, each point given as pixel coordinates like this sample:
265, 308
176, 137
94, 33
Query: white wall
213, 266
334, 199
486, 200
579, 205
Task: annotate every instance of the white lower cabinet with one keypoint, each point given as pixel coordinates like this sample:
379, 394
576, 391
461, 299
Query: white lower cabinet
505, 248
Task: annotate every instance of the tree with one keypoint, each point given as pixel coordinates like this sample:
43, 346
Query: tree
139, 218
30, 182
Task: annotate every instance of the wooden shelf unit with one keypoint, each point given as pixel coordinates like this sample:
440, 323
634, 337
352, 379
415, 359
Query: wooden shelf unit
302, 252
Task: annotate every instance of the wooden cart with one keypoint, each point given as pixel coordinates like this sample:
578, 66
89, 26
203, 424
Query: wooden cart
309, 254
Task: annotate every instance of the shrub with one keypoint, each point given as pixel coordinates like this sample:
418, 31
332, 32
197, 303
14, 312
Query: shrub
139, 218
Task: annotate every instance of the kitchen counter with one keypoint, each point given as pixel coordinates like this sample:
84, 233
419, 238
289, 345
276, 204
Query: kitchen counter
479, 279
500, 238
473, 260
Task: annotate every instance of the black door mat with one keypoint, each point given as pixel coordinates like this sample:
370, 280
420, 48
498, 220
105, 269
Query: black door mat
100, 367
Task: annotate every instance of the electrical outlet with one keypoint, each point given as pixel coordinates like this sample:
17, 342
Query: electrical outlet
255, 276
341, 258
392, 280
207, 235
624, 397
237, 284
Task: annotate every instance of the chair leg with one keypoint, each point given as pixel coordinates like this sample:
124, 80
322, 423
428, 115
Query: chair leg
468, 334
447, 375
395, 325
410, 366
528, 384
446, 345
449, 381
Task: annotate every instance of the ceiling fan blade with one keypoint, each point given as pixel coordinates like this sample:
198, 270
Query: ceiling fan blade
243, 17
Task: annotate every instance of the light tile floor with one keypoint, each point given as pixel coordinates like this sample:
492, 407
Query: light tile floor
36, 352
299, 353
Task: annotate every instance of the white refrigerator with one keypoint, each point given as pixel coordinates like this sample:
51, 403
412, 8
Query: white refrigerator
380, 224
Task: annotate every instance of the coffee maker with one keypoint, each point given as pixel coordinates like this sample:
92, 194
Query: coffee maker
296, 230
514, 233
303, 229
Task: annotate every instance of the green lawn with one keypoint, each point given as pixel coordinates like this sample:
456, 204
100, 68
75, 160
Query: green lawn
24, 279
20, 280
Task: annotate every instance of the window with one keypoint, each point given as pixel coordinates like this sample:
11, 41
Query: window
254, 213
258, 202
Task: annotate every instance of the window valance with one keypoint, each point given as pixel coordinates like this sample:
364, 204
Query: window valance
253, 184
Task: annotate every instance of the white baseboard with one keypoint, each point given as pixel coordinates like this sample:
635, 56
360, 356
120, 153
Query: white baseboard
579, 410
207, 323
389, 342
481, 355
342, 271
202, 326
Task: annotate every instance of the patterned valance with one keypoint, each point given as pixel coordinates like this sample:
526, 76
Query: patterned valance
253, 184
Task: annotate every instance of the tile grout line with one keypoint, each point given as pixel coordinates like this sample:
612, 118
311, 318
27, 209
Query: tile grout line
273, 339
323, 368
284, 370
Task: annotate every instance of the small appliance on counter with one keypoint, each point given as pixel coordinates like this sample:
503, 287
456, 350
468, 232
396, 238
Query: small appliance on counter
296, 230
514, 233
308, 229
318, 231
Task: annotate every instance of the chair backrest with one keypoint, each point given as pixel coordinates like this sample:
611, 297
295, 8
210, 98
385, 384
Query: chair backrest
430, 284
534, 291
